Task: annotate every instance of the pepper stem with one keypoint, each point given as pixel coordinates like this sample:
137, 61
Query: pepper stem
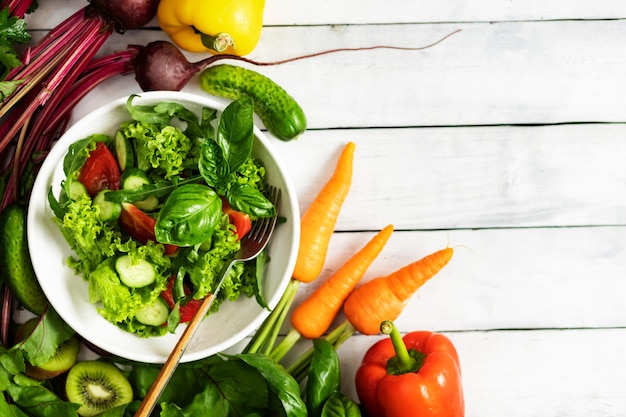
405, 361
219, 43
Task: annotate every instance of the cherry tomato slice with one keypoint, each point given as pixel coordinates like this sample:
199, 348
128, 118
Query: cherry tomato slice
100, 171
140, 226
239, 219
187, 310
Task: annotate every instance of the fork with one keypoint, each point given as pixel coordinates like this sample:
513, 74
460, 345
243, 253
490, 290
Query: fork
251, 246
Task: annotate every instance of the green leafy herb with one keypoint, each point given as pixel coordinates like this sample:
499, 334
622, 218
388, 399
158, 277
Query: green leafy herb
339, 405
189, 216
235, 133
8, 87
12, 32
324, 376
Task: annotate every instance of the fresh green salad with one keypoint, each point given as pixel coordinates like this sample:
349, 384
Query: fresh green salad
153, 213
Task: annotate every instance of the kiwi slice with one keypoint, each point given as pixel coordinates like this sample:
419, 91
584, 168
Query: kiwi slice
97, 386
62, 360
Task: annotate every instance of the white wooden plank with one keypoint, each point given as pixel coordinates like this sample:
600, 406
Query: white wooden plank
503, 278
506, 73
392, 11
503, 73
470, 177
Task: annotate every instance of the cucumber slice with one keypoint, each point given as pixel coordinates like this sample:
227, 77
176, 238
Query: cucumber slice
135, 273
154, 314
109, 210
124, 151
148, 204
133, 178
77, 190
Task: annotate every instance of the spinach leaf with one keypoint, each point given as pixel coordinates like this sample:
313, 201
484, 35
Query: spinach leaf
324, 376
146, 114
338, 405
58, 210
228, 388
280, 383
235, 132
244, 197
38, 401
43, 342
159, 189
142, 376
176, 110
189, 216
76, 156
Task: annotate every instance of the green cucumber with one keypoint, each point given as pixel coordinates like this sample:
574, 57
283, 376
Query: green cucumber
133, 178
77, 190
15, 263
109, 210
124, 151
135, 273
280, 113
154, 314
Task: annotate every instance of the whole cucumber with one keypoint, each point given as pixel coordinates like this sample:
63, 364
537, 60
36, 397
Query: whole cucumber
15, 264
281, 114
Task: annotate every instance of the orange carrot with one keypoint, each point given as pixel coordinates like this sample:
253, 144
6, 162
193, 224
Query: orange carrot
383, 298
317, 224
315, 314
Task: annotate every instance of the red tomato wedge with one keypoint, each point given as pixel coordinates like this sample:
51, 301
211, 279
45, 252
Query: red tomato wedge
140, 226
187, 310
239, 219
100, 171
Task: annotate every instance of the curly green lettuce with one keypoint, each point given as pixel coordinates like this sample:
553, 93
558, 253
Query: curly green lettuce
164, 150
87, 235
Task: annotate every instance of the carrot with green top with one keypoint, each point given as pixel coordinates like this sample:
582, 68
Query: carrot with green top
315, 314
383, 298
317, 224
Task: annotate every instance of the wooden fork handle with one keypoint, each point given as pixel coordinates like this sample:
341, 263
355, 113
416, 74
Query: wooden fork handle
168, 368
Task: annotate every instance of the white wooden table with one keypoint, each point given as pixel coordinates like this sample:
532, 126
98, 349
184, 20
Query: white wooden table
506, 141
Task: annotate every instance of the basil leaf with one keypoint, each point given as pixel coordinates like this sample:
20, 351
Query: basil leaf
212, 165
235, 133
339, 405
206, 123
248, 199
259, 268
189, 216
324, 376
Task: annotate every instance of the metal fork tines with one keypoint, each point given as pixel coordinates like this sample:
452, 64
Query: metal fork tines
252, 244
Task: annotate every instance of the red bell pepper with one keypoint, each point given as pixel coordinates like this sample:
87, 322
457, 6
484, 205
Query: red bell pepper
415, 375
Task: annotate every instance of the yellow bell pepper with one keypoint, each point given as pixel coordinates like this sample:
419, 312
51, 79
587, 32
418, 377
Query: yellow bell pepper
218, 26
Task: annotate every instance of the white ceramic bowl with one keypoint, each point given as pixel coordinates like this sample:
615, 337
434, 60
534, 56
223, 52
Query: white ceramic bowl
67, 292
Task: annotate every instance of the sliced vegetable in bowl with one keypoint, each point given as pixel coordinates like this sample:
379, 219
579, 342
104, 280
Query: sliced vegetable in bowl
148, 238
